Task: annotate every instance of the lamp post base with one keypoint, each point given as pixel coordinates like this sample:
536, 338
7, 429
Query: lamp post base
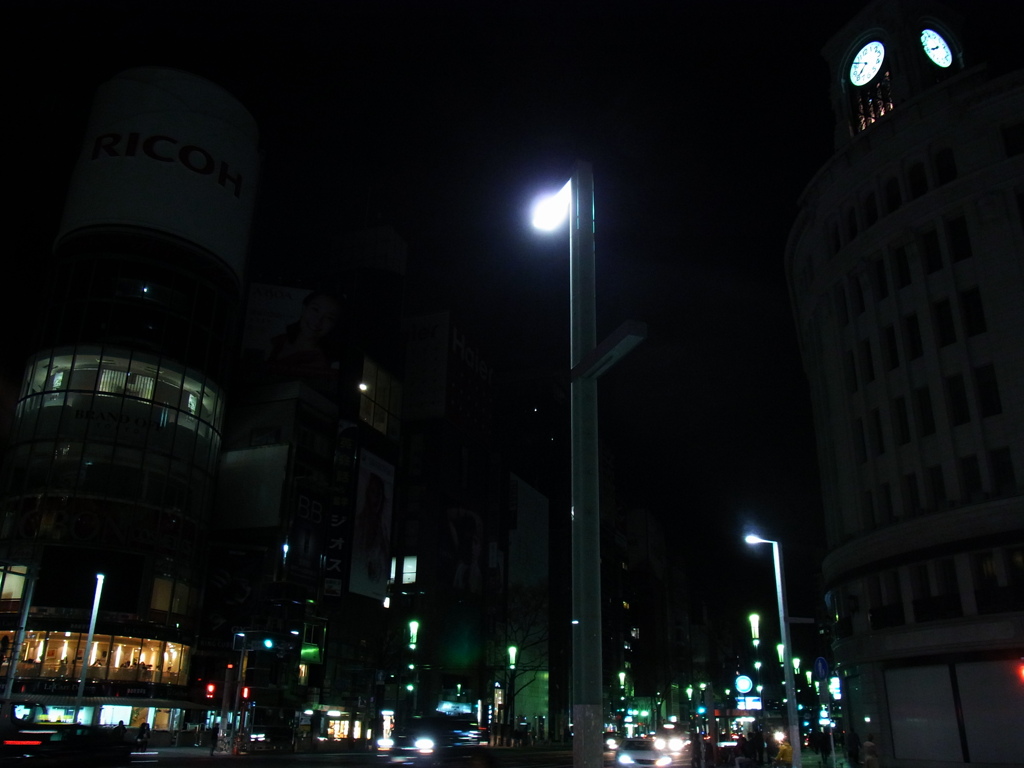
587, 744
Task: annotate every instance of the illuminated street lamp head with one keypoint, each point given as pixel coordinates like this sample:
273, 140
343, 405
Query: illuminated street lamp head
549, 212
754, 539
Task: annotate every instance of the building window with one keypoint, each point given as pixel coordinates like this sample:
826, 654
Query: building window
890, 349
923, 411
870, 209
881, 279
972, 312
409, 569
917, 180
876, 439
869, 510
911, 495
945, 166
866, 361
989, 595
1004, 480
945, 328
970, 478
893, 198
956, 398
958, 238
112, 381
859, 446
912, 335
886, 602
885, 513
901, 267
841, 308
931, 252
937, 486
1013, 139
857, 295
989, 402
380, 399
850, 370
901, 421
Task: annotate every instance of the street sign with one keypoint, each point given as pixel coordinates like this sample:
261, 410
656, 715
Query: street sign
820, 668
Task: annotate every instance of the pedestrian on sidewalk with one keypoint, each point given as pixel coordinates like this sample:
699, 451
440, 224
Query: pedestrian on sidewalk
214, 736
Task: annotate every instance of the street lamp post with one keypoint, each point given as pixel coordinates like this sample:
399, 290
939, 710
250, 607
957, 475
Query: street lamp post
787, 647
588, 361
14, 650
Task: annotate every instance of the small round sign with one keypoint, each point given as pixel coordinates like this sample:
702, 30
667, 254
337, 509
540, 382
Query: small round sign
820, 668
744, 684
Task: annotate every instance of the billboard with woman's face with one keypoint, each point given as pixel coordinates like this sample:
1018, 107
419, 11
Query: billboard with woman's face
293, 331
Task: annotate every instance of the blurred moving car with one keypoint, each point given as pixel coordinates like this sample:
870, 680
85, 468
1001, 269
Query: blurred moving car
642, 752
28, 738
434, 740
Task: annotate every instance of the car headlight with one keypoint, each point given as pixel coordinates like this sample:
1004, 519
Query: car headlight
385, 743
611, 743
625, 760
675, 744
425, 744
663, 760
659, 743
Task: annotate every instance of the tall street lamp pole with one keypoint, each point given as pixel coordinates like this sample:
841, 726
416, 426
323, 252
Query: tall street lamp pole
588, 361
787, 647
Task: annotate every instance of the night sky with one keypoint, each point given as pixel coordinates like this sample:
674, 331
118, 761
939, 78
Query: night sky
703, 122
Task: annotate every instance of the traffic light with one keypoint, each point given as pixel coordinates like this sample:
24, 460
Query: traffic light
211, 690
267, 643
245, 692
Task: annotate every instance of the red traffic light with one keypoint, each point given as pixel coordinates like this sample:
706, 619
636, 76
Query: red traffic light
211, 689
245, 692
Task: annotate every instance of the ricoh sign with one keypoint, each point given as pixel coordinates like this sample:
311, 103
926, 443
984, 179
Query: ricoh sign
170, 152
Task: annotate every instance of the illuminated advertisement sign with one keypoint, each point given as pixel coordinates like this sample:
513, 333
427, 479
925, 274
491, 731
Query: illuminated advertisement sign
171, 152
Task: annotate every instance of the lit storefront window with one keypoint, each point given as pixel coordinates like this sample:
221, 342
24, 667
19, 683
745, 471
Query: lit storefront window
61, 655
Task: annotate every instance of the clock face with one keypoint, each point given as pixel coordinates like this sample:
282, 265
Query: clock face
936, 48
867, 62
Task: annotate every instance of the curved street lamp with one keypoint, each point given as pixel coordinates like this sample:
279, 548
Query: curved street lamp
787, 647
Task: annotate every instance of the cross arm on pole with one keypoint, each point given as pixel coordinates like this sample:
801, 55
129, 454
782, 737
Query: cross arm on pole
601, 358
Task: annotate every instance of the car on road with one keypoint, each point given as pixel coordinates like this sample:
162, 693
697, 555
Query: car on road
642, 752
28, 738
434, 740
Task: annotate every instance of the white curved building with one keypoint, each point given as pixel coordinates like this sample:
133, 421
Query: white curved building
906, 270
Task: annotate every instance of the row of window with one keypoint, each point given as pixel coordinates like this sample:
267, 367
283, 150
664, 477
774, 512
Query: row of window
921, 176
935, 248
915, 416
380, 400
62, 655
972, 479
120, 372
993, 580
861, 366
893, 193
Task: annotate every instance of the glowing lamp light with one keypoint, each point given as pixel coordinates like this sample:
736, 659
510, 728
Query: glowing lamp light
551, 211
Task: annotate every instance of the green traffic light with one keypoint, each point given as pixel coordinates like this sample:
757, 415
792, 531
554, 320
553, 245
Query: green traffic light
268, 642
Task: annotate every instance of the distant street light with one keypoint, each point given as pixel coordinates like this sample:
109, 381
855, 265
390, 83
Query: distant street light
588, 360
787, 648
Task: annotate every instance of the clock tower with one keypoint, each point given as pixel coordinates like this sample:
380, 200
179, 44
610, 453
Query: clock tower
886, 56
